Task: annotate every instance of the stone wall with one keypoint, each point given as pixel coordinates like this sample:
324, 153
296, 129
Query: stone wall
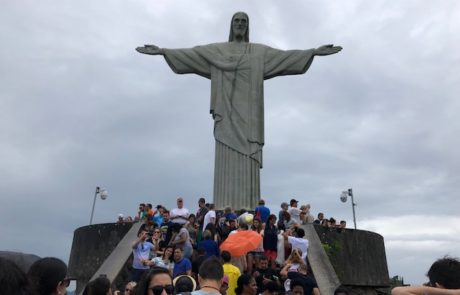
91, 245
358, 256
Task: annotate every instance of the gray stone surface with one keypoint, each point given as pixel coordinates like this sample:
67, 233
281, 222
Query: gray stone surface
358, 256
92, 245
237, 70
324, 272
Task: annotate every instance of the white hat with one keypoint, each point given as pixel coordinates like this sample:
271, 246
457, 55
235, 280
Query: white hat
120, 215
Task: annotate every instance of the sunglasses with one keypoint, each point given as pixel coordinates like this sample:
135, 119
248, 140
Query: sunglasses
157, 290
128, 290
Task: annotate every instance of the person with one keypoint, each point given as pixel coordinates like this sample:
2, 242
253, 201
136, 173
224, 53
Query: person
270, 240
210, 277
226, 228
343, 224
271, 288
13, 280
231, 271
165, 261
48, 276
130, 288
253, 256
309, 284
197, 260
319, 219
444, 279
341, 290
181, 239
140, 213
294, 211
240, 261
158, 216
200, 214
210, 217
262, 212
184, 284
224, 286
141, 253
237, 70
210, 246
99, 286
158, 281
180, 213
284, 208
166, 229
296, 287
182, 265
246, 285
192, 229
298, 242
229, 214
121, 219
264, 275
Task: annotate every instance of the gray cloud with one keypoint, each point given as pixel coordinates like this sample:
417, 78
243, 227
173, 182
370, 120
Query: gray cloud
79, 108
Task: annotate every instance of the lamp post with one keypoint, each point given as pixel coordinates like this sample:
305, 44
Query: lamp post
343, 198
103, 195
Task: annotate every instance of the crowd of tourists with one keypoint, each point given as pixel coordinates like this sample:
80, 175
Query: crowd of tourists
181, 253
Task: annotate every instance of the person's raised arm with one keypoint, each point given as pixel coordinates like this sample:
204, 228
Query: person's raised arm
327, 50
150, 49
423, 290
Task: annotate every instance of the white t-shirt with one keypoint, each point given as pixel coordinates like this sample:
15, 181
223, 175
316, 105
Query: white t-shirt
174, 213
207, 218
295, 214
299, 243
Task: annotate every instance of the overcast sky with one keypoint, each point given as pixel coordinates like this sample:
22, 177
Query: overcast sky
80, 108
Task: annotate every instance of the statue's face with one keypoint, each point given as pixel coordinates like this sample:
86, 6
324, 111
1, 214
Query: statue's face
239, 25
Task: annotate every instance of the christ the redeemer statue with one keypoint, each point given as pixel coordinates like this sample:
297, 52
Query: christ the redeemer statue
237, 70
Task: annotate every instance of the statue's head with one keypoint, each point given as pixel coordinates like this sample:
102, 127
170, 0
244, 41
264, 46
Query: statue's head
239, 27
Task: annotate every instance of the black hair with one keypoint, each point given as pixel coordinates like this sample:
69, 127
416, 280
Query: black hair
45, 274
183, 284
446, 272
99, 286
13, 280
226, 256
243, 280
263, 257
271, 286
211, 269
296, 282
341, 289
142, 287
300, 232
272, 216
176, 227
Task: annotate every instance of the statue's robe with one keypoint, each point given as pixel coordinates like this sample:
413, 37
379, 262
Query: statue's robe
237, 72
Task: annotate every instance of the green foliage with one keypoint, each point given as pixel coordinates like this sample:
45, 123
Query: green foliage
332, 248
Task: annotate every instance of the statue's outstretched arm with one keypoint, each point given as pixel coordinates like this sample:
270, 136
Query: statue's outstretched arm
327, 50
150, 49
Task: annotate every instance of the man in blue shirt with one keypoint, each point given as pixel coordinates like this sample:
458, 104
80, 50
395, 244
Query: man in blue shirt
182, 265
141, 254
262, 212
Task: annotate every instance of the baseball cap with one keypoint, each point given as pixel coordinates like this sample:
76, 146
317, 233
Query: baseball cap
293, 201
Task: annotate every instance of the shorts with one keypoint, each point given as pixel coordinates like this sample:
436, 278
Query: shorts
271, 254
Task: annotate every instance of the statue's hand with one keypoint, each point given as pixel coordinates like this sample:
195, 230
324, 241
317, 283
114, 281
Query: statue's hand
327, 49
150, 49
